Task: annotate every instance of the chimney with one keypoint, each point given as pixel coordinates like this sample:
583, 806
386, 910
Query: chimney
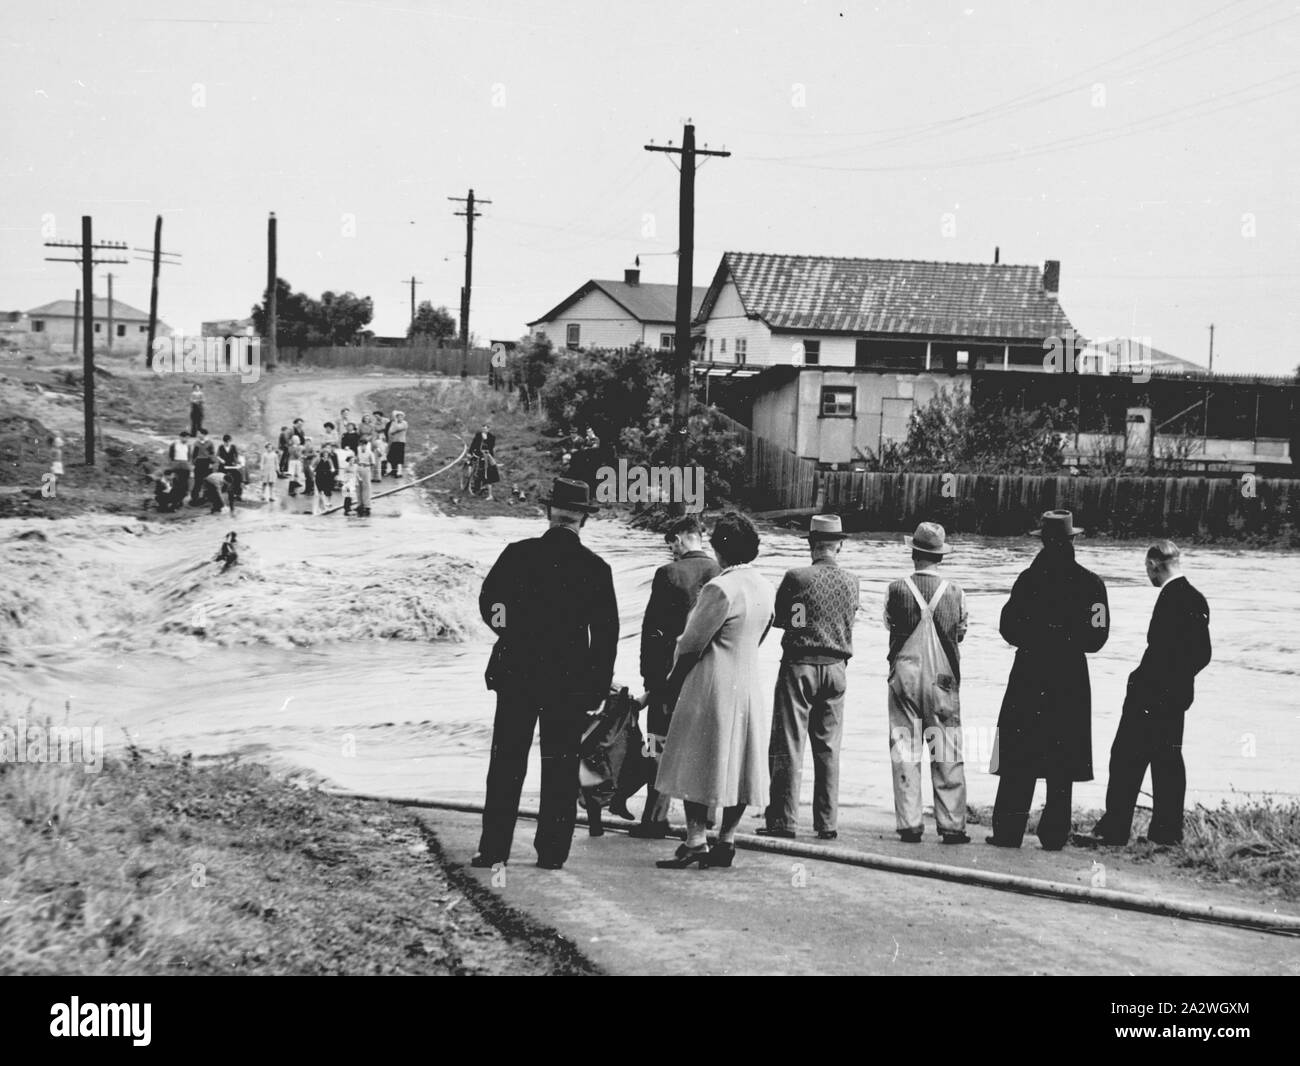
1052, 276
632, 276
997, 255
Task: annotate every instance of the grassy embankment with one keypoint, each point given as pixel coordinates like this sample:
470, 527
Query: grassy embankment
1253, 843
444, 412
158, 866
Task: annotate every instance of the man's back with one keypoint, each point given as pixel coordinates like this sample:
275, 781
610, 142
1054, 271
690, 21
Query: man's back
816, 606
673, 593
1178, 643
903, 614
551, 602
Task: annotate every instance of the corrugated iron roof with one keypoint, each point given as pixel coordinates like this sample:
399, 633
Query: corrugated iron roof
899, 296
646, 302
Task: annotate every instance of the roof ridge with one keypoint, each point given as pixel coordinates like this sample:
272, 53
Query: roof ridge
872, 259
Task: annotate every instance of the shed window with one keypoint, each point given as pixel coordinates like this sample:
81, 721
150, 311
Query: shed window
839, 403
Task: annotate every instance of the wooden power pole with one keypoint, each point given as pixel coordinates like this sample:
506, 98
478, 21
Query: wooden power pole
86, 257
685, 289
470, 215
76, 317
1211, 347
156, 257
413, 283
271, 287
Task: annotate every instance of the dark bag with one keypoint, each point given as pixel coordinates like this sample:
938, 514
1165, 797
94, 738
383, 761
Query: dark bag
611, 755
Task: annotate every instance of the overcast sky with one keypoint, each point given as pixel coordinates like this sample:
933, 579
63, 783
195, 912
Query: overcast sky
1152, 148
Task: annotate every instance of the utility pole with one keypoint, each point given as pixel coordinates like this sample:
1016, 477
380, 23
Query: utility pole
87, 248
413, 283
76, 314
1211, 347
270, 292
470, 215
157, 260
685, 288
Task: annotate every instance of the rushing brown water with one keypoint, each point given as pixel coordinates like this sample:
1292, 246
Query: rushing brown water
269, 679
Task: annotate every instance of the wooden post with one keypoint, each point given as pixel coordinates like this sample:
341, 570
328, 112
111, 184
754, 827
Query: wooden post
153, 292
271, 286
110, 312
88, 337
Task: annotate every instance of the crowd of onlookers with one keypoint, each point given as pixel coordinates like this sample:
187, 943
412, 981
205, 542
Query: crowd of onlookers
348, 458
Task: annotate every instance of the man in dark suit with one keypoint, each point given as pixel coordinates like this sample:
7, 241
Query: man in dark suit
550, 600
1057, 615
1160, 691
673, 592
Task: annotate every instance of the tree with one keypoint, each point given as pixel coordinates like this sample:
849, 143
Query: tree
433, 323
301, 322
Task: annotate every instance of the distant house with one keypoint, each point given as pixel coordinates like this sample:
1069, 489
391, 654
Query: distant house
614, 314
15, 327
53, 325
848, 348
227, 327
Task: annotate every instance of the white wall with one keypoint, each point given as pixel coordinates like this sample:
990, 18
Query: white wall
727, 321
602, 324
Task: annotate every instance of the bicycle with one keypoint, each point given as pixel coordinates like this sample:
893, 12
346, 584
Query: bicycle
473, 475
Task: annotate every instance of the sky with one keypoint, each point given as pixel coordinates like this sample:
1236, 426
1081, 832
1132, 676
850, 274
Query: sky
1152, 148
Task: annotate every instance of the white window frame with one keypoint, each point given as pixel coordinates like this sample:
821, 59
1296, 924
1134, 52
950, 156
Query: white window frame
829, 391
742, 350
573, 335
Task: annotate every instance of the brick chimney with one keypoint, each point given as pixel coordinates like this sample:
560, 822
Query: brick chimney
632, 276
1052, 277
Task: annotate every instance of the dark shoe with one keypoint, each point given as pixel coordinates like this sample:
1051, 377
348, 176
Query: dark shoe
1093, 840
721, 854
827, 834
550, 864
1053, 846
910, 836
1160, 842
619, 809
956, 838
481, 862
684, 857
784, 834
649, 830
1000, 843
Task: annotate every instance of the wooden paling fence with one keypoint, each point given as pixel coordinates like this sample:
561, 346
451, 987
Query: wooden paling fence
418, 359
774, 478
1009, 504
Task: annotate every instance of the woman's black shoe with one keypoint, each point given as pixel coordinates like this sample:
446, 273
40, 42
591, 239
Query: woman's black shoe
721, 854
649, 830
686, 856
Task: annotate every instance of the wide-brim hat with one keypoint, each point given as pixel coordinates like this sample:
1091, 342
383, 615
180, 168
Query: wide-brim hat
1056, 521
570, 495
826, 527
930, 537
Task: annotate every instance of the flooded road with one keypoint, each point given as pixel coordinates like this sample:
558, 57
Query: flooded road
351, 650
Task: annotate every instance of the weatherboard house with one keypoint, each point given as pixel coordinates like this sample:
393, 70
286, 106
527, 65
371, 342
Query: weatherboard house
614, 314
53, 325
839, 352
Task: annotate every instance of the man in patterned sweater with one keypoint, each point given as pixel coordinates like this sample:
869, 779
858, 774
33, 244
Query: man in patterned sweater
816, 606
926, 616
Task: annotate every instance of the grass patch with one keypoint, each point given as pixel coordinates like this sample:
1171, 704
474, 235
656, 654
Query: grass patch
158, 866
444, 412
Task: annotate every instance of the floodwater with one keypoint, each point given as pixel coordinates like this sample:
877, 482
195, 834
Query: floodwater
293, 666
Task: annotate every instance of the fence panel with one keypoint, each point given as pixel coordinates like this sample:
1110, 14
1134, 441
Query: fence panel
417, 359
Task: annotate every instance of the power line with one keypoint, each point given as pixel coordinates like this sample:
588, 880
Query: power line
469, 215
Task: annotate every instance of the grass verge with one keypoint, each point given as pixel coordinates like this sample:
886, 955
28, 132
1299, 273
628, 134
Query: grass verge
158, 866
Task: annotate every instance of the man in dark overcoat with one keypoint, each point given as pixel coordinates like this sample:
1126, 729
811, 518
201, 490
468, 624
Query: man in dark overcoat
673, 592
1057, 615
550, 600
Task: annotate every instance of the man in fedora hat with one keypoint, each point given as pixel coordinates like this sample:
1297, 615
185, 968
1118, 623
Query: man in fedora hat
550, 600
673, 592
1058, 614
1160, 692
816, 606
926, 617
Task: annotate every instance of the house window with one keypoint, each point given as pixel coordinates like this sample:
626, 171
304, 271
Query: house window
143, 329
742, 349
722, 345
121, 330
839, 403
38, 325
710, 349
812, 353
666, 342
572, 332
99, 327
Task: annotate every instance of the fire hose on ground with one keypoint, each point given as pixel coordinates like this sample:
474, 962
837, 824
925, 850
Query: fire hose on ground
1285, 924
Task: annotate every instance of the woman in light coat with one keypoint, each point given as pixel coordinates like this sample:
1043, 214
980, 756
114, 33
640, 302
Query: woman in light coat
715, 754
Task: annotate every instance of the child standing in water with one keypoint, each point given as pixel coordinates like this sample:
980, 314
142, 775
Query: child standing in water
270, 470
